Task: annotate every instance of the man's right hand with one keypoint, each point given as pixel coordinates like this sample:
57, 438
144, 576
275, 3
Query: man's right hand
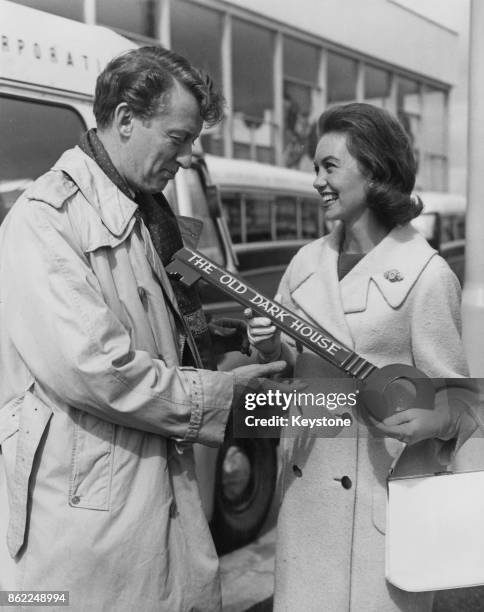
253, 379
258, 370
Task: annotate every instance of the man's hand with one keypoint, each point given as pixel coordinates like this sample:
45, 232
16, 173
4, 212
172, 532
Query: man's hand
258, 370
252, 379
229, 335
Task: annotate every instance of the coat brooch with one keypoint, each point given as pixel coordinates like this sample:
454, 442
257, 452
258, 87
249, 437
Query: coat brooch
393, 276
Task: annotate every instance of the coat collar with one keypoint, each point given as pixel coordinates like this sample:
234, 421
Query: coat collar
115, 209
394, 265
314, 285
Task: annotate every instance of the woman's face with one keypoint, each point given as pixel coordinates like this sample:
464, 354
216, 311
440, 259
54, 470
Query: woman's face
339, 181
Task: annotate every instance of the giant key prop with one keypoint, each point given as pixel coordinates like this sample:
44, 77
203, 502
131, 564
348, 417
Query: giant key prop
384, 390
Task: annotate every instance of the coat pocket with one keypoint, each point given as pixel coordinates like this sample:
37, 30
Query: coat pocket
92, 462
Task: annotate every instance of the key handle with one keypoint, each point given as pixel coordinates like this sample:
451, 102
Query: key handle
396, 387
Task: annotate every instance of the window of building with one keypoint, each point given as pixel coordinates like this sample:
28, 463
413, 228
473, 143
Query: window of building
200, 45
377, 86
253, 77
434, 146
342, 75
33, 138
72, 9
409, 113
301, 67
301, 60
136, 16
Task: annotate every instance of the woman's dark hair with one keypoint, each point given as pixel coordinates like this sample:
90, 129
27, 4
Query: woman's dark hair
141, 77
384, 154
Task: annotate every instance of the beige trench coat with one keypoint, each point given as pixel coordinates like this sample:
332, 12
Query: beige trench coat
331, 529
96, 416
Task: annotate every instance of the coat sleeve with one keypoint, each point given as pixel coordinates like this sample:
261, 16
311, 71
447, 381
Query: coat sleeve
438, 350
436, 324
78, 351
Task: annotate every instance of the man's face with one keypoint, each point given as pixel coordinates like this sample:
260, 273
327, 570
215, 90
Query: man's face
158, 146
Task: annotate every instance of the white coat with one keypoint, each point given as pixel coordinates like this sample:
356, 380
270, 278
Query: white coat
330, 539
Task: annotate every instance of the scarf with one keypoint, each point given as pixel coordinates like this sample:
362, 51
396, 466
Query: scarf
165, 234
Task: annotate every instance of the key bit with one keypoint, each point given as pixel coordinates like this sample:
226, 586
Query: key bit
180, 271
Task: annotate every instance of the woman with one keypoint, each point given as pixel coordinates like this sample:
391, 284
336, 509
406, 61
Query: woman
377, 286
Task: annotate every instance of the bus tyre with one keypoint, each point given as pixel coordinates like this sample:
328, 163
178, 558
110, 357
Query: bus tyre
244, 488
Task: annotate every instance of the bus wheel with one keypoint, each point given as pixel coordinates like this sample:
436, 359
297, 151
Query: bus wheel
244, 488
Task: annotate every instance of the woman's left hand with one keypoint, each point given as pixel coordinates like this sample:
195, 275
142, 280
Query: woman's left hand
416, 424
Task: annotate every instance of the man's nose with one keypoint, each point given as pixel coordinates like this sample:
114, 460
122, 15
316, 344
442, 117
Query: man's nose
184, 157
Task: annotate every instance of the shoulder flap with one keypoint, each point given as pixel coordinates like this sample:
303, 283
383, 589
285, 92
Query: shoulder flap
54, 188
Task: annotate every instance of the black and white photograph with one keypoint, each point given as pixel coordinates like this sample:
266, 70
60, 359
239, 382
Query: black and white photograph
242, 305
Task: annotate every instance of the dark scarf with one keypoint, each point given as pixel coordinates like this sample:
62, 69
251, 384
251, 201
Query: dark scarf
166, 237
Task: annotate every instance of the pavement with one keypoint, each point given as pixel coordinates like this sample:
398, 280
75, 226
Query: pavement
248, 582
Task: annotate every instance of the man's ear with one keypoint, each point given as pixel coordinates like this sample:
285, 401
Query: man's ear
123, 119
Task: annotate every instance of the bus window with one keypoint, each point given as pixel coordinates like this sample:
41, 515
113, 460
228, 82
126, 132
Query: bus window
208, 243
286, 217
231, 207
33, 137
258, 217
311, 220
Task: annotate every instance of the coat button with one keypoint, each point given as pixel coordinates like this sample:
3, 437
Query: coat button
345, 482
75, 500
297, 471
173, 509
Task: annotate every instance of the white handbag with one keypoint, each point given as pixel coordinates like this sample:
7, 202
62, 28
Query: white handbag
435, 531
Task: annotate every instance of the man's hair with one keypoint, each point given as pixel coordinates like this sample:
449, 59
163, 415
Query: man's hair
383, 150
141, 77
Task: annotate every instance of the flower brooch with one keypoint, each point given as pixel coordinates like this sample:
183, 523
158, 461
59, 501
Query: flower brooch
393, 276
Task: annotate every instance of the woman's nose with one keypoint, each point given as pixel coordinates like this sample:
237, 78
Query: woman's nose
319, 180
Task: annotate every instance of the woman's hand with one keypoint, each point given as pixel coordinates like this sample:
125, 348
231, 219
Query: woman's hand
263, 335
416, 424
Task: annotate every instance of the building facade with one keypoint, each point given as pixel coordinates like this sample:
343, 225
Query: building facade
280, 64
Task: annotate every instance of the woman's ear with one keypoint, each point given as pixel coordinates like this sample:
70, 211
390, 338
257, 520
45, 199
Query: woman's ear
123, 120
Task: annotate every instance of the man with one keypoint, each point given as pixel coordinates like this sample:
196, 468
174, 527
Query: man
98, 407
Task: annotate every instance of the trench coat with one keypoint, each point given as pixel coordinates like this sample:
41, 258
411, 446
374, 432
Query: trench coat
97, 418
331, 525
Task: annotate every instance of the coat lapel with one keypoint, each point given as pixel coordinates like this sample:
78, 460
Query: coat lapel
394, 265
316, 289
